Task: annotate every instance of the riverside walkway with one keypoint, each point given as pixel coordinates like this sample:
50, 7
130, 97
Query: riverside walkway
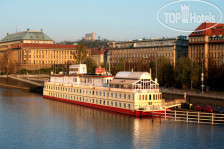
206, 94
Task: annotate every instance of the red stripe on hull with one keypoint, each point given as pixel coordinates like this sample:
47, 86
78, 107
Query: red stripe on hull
125, 111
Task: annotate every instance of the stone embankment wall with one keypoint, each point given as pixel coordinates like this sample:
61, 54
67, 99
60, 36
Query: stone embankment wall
12, 82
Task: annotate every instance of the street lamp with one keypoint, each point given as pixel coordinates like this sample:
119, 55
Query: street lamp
156, 68
191, 73
202, 77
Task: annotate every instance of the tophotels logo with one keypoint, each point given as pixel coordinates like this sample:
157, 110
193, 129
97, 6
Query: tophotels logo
184, 15
188, 17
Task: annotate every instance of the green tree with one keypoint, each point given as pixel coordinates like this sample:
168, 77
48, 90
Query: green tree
80, 53
186, 71
117, 67
167, 75
143, 65
215, 75
7, 61
90, 64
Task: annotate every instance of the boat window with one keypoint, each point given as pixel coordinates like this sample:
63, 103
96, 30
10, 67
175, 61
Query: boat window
100, 101
146, 97
111, 94
124, 105
108, 103
93, 92
115, 95
111, 103
74, 90
115, 104
100, 93
129, 106
124, 96
104, 102
143, 97
129, 96
107, 94
90, 92
96, 101
96, 93
150, 97
80, 91
93, 100
120, 95
120, 104
139, 97
103, 93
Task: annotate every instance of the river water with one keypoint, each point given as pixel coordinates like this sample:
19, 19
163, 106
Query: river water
29, 121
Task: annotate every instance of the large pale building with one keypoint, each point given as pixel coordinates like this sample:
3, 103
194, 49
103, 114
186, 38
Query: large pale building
90, 36
34, 50
135, 51
206, 44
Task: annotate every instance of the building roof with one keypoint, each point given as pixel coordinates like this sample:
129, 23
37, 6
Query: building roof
98, 51
27, 35
50, 46
122, 82
208, 29
95, 51
132, 75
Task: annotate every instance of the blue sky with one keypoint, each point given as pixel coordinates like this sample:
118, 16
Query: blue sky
71, 19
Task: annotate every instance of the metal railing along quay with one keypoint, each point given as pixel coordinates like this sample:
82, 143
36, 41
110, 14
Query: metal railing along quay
191, 117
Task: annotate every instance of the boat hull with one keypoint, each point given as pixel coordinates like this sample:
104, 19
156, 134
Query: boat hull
108, 108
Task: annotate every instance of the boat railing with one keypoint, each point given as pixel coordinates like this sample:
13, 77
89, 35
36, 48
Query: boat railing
126, 90
152, 108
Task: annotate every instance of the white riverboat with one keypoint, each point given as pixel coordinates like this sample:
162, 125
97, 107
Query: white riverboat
133, 93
